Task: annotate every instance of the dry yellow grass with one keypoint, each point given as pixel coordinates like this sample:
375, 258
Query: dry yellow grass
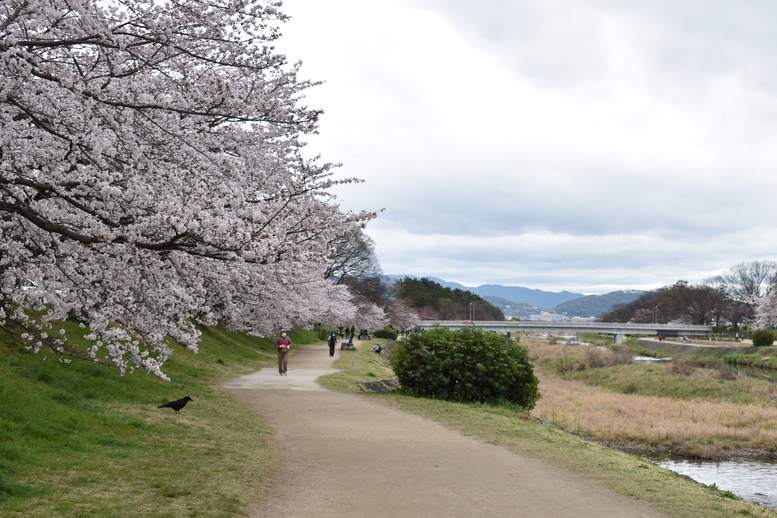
701, 428
693, 427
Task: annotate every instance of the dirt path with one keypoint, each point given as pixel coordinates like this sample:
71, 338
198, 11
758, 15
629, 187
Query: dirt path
349, 456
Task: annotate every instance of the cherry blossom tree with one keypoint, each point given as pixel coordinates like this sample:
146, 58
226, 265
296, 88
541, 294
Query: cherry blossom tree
748, 283
766, 312
152, 177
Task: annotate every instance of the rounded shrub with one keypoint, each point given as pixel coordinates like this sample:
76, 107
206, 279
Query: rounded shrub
763, 337
468, 365
386, 332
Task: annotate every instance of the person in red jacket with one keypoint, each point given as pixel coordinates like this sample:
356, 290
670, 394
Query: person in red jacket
283, 344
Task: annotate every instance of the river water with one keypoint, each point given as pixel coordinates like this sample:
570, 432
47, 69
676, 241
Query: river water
752, 480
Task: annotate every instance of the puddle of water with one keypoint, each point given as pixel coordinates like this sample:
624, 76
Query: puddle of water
752, 480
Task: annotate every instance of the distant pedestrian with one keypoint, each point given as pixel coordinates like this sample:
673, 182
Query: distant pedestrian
685, 339
353, 331
283, 344
332, 343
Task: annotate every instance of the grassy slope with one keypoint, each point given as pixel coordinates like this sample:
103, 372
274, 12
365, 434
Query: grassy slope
81, 440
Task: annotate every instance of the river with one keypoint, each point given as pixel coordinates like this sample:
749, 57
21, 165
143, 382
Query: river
752, 480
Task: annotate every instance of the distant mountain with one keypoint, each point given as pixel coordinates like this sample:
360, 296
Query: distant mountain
543, 299
525, 303
596, 305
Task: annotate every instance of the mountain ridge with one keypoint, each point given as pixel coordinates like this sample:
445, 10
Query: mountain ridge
520, 302
597, 305
533, 297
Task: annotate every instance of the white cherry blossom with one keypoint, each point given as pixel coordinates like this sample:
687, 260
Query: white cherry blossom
152, 177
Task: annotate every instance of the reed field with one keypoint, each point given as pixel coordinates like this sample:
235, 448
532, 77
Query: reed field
669, 407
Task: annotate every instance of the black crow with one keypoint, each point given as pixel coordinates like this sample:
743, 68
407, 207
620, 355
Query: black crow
178, 404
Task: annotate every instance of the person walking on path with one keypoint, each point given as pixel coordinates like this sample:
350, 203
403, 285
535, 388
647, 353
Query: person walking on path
332, 343
283, 344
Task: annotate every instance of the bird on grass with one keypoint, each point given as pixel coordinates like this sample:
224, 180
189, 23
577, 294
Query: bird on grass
177, 405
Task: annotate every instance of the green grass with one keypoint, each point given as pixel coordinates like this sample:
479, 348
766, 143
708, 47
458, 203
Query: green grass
357, 365
764, 360
82, 440
680, 379
659, 380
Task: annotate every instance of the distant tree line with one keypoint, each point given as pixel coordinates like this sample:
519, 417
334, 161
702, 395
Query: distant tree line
433, 301
744, 294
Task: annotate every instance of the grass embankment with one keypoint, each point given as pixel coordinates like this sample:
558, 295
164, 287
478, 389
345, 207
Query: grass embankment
516, 431
766, 360
80, 440
671, 407
358, 365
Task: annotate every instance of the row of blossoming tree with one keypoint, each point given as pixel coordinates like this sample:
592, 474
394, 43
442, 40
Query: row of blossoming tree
152, 177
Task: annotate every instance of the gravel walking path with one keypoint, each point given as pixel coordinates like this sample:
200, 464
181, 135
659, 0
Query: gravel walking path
351, 456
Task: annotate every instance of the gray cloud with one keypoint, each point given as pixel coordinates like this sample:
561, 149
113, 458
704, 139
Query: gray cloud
587, 145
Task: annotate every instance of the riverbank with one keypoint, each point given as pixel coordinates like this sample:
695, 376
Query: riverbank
86, 442
703, 347
667, 407
336, 464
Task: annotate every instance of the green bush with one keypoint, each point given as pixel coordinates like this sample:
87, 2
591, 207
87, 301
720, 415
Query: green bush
386, 332
468, 365
763, 337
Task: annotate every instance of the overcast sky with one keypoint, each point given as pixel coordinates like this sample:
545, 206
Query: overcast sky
581, 145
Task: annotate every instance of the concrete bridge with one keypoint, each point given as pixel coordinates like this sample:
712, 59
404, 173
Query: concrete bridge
536, 326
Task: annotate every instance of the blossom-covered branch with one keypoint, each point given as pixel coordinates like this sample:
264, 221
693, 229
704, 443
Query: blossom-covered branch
152, 175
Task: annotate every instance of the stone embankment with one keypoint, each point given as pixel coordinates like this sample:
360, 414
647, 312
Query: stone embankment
705, 347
